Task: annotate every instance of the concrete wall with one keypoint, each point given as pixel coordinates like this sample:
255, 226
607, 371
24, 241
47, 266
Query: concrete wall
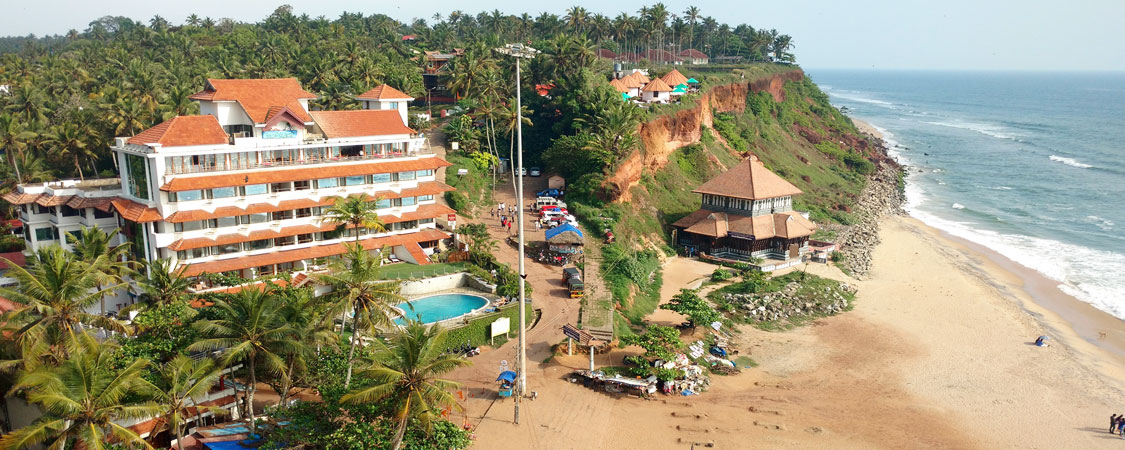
445, 282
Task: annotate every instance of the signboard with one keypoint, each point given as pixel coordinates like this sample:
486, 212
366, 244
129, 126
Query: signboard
462, 172
500, 326
733, 234
451, 218
574, 333
279, 134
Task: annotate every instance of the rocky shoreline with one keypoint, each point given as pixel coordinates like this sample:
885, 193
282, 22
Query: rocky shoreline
882, 195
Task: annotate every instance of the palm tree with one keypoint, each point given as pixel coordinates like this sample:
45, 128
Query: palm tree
311, 322
69, 141
15, 138
356, 285
355, 211
407, 374
92, 245
162, 285
53, 292
179, 383
83, 400
251, 328
692, 15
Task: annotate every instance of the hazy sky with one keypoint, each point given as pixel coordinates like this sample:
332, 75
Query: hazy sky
904, 34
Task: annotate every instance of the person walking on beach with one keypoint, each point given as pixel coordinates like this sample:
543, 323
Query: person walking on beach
1113, 422
509, 228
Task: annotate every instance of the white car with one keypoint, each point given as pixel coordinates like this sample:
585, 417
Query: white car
523, 171
535, 172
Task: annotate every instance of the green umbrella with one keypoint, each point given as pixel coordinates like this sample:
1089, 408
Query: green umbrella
692, 80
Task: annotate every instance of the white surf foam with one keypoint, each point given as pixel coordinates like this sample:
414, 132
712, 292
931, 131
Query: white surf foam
986, 129
1070, 162
958, 206
1104, 224
1002, 188
862, 99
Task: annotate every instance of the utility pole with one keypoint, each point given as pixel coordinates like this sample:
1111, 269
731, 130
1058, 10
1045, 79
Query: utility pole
520, 51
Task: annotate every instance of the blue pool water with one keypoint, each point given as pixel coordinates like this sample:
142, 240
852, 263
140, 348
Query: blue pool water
436, 308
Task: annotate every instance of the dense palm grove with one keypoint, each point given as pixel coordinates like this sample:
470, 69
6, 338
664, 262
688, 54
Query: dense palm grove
66, 97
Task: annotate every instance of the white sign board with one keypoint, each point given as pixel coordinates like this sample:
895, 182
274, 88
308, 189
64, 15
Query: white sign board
500, 326
455, 145
462, 172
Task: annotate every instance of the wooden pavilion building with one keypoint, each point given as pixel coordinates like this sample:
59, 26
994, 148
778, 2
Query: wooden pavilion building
747, 213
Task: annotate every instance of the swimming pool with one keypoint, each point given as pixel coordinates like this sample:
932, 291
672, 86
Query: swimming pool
436, 308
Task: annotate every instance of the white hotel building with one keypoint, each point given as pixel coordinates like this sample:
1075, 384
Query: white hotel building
240, 188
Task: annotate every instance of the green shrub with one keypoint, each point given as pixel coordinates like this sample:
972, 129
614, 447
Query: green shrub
721, 275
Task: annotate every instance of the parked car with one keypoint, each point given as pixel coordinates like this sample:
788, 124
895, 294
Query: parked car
536, 172
523, 171
542, 202
552, 192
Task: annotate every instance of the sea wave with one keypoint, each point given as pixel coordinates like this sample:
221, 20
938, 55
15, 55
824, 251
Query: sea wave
986, 129
1070, 162
1085, 273
958, 206
1002, 188
862, 99
1104, 224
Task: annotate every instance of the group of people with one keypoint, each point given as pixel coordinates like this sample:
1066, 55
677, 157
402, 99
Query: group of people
1117, 425
506, 213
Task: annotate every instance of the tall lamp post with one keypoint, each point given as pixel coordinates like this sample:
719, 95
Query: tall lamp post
520, 51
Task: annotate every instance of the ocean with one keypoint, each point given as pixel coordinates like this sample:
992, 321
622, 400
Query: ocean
1031, 165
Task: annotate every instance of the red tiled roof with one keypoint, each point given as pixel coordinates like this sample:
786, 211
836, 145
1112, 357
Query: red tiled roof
19, 198
693, 54
102, 203
608, 54
786, 225
136, 212
320, 251
544, 89
631, 82
256, 96
183, 131
384, 92
748, 179
278, 175
364, 122
53, 200
417, 253
16, 258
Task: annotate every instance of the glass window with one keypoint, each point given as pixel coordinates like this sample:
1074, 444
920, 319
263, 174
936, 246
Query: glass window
40, 209
351, 150
283, 241
69, 212
406, 176
99, 214
256, 189
281, 187
191, 225
45, 234
260, 244
186, 196
282, 215
383, 203
425, 198
224, 192
302, 185
394, 105
304, 212
326, 183
381, 178
425, 173
137, 180
355, 180
409, 201
226, 249
226, 221
304, 238
256, 218
429, 220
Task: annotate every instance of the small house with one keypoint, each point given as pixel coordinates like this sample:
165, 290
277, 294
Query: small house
657, 91
693, 56
565, 238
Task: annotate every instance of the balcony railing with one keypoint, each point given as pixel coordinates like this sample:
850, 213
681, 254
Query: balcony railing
389, 155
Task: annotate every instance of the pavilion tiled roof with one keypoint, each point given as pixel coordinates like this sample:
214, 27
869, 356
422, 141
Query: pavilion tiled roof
135, 212
674, 78
319, 251
384, 92
279, 175
364, 122
181, 131
657, 85
640, 77
785, 225
426, 188
256, 96
748, 179
20, 198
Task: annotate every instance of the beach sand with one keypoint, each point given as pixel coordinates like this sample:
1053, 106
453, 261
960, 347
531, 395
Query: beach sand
936, 354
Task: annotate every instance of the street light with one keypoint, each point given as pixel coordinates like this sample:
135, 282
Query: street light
520, 51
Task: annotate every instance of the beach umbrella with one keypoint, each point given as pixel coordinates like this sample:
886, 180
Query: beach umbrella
692, 80
680, 90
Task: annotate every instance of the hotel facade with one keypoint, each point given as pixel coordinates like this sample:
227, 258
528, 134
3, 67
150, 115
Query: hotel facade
242, 187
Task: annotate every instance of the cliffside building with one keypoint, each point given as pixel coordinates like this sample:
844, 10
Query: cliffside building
747, 212
241, 189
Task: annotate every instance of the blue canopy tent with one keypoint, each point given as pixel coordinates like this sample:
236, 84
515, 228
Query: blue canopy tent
565, 238
507, 378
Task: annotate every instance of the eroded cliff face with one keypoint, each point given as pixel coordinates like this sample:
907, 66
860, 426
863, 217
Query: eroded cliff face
663, 135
